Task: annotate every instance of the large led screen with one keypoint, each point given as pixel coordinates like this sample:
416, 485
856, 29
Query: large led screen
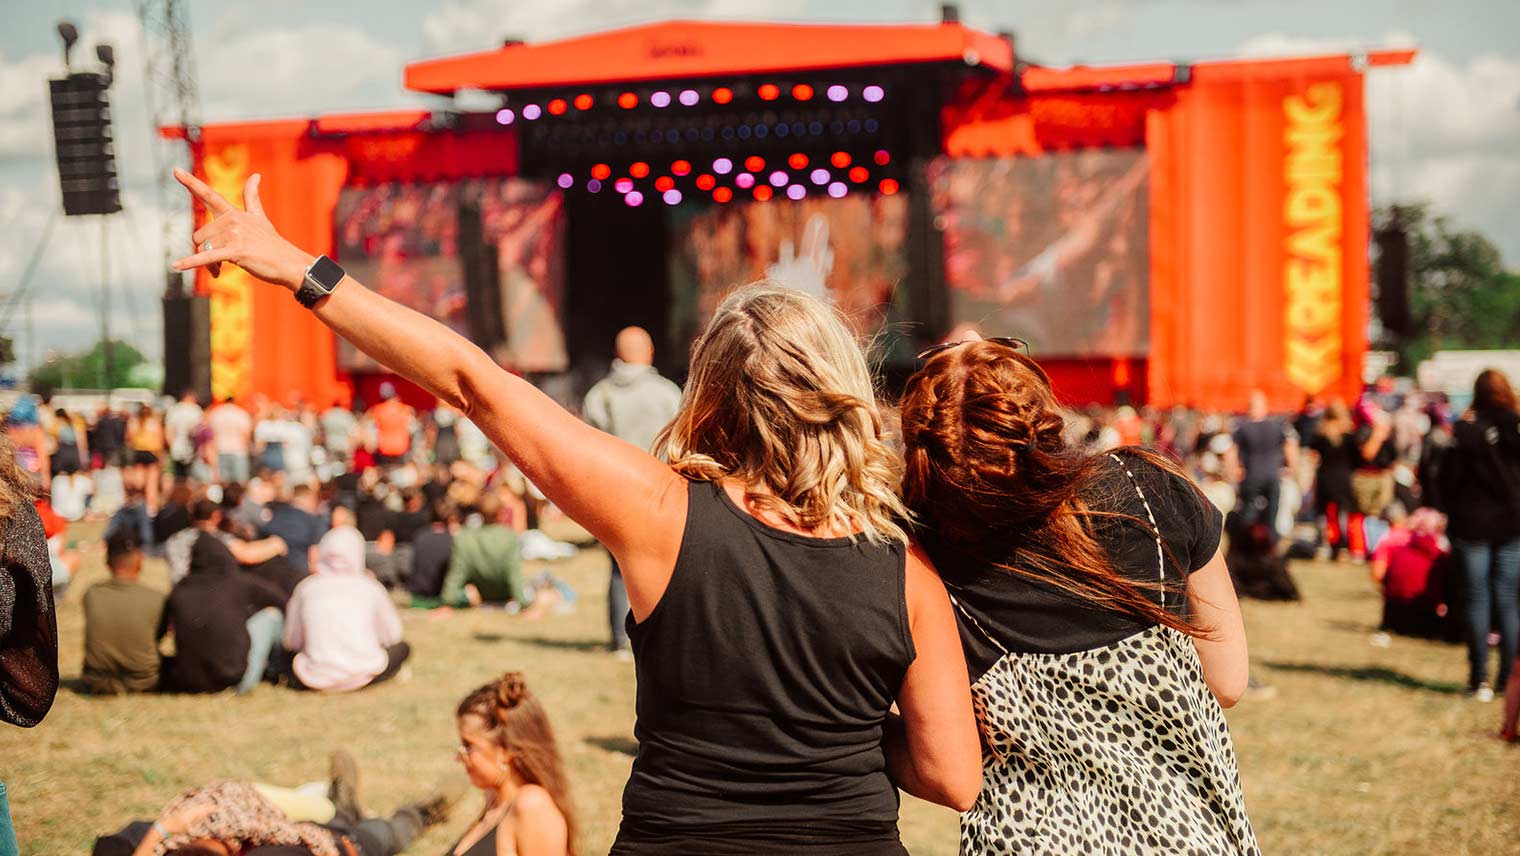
1053, 249
525, 221
849, 251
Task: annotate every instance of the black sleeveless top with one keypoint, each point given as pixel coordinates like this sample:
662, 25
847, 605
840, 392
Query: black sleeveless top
764, 676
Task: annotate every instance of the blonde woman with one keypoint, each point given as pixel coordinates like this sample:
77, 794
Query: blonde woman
777, 611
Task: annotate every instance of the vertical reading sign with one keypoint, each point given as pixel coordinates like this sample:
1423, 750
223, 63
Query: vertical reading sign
1312, 220
231, 292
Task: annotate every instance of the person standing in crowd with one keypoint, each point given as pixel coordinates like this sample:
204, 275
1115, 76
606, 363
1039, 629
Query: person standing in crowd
393, 421
1481, 491
225, 622
145, 436
507, 748
293, 518
28, 443
778, 612
340, 435
445, 432
1267, 450
340, 624
181, 422
1372, 484
1097, 616
631, 403
71, 446
121, 620
28, 620
231, 441
1334, 448
269, 440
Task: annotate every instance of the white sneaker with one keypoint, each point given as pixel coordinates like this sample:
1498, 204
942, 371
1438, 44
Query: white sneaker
1381, 640
1484, 693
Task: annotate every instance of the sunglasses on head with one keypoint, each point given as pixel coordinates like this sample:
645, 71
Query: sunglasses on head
1008, 341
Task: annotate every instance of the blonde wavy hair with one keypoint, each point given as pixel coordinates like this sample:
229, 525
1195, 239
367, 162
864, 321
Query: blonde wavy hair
779, 395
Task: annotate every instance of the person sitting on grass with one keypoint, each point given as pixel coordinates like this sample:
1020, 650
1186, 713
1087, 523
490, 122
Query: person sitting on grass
485, 567
121, 619
432, 551
226, 623
206, 517
340, 623
507, 747
254, 819
1409, 564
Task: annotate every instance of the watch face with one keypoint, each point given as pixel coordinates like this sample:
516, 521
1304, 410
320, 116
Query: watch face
327, 273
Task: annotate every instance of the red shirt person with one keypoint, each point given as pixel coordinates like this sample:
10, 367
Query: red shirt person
393, 422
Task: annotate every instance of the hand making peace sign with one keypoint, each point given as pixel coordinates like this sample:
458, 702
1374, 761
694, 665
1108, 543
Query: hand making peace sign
245, 238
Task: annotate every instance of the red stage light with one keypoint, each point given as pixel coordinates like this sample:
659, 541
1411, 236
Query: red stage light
722, 194
763, 192
601, 172
706, 182
859, 174
840, 160
557, 107
628, 101
882, 158
639, 169
798, 161
681, 167
664, 183
583, 101
888, 186
754, 163
722, 95
802, 92
768, 92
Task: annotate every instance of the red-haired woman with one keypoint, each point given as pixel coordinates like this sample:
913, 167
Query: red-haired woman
507, 748
1099, 622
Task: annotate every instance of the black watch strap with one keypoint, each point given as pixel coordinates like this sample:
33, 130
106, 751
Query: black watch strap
321, 278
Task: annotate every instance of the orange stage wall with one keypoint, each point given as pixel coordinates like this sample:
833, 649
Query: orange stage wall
262, 341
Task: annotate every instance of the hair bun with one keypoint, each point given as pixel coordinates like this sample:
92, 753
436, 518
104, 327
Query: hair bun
510, 690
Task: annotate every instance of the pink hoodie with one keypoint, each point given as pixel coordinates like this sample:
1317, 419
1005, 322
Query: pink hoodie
340, 619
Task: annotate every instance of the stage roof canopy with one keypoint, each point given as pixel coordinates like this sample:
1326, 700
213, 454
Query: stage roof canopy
700, 49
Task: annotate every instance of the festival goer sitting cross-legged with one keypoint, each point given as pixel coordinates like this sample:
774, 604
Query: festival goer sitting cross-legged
1097, 614
777, 611
340, 623
507, 747
121, 620
226, 623
230, 818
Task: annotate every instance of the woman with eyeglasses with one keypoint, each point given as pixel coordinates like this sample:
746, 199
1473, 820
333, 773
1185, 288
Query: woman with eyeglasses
507, 748
1097, 615
777, 613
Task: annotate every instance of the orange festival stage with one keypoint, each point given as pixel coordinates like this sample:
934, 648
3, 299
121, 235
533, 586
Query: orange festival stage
1162, 233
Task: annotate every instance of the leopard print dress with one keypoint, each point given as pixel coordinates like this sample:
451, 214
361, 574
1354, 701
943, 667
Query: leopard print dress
1115, 750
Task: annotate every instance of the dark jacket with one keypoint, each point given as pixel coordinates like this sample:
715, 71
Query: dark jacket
1480, 477
28, 623
208, 610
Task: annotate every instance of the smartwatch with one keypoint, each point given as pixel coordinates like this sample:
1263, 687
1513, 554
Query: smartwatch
321, 278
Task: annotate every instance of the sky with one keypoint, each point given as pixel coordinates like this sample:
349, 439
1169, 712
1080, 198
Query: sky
1445, 130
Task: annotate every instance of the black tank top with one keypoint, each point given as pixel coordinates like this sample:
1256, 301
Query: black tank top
764, 676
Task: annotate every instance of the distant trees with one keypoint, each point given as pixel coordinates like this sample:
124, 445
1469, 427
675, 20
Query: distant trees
87, 369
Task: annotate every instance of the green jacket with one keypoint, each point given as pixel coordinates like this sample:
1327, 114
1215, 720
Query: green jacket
486, 556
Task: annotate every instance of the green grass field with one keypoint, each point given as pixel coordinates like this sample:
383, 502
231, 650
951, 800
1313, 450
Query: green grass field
1362, 751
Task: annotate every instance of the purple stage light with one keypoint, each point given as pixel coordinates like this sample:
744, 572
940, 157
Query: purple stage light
838, 92
660, 99
634, 199
565, 180
532, 111
594, 186
689, 97
723, 166
796, 191
744, 181
873, 93
623, 185
778, 179
672, 197
820, 176
838, 190
505, 116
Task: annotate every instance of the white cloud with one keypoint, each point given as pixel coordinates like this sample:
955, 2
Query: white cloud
472, 25
1438, 130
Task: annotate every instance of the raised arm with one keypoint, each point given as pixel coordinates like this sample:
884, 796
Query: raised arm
631, 502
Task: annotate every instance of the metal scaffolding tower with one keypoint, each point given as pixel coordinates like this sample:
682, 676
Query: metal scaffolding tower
169, 85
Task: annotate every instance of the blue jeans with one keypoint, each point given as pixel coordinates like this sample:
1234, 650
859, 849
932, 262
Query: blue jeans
1491, 578
617, 608
8, 845
264, 630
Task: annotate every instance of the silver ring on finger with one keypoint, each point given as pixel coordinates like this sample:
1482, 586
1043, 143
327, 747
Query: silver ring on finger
207, 246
